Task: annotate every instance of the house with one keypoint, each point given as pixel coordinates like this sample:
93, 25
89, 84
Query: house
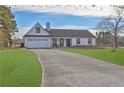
39, 37
18, 42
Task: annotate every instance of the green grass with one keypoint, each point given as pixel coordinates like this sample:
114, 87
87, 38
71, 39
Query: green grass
102, 54
19, 68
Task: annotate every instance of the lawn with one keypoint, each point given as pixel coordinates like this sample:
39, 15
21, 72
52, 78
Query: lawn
19, 68
102, 54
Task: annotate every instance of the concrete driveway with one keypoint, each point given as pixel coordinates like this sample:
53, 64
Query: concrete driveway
63, 69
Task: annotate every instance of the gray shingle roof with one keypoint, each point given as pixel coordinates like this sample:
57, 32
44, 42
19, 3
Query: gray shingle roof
65, 33
70, 33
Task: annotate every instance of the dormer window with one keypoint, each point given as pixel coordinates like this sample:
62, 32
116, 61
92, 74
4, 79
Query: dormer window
37, 29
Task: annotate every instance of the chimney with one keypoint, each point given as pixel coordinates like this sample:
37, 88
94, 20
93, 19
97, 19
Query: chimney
48, 26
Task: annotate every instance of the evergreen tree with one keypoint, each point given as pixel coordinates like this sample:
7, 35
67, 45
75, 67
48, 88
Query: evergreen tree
7, 24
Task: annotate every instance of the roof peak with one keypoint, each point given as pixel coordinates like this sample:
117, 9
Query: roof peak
37, 23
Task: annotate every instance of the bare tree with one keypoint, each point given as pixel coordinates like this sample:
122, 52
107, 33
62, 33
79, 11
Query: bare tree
113, 24
104, 38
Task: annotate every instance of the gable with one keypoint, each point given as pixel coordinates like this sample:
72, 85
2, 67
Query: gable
37, 29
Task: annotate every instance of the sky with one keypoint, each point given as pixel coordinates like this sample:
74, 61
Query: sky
59, 16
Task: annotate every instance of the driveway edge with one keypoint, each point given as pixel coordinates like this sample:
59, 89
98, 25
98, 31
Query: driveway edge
42, 70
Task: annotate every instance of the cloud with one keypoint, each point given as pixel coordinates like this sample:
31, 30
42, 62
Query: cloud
76, 10
71, 27
22, 31
93, 31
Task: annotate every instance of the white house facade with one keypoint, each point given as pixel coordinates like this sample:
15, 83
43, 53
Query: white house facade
39, 37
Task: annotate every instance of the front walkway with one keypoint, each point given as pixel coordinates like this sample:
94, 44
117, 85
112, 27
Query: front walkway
63, 69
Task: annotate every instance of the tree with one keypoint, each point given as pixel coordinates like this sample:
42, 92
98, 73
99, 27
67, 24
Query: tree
104, 38
113, 24
7, 24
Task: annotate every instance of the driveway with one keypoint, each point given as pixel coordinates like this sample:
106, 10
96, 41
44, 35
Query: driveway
63, 69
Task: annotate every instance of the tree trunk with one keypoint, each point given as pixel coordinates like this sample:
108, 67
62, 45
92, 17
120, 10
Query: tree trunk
114, 48
116, 41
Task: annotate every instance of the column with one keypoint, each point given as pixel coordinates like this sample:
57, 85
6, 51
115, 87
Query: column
64, 42
58, 42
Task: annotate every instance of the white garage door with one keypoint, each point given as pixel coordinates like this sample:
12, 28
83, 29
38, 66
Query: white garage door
38, 43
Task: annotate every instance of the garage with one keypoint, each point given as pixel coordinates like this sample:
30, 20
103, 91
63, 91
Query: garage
37, 37
38, 43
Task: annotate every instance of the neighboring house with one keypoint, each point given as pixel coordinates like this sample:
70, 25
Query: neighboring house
39, 37
17, 42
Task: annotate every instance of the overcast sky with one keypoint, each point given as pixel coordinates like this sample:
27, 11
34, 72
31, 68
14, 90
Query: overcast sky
65, 17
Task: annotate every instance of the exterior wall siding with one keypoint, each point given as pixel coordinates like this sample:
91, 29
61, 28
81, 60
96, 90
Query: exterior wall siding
94, 41
83, 41
48, 43
42, 31
74, 41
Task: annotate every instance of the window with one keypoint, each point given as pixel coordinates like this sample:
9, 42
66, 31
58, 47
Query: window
89, 40
37, 29
78, 40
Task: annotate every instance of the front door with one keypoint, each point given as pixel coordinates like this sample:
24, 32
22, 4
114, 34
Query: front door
68, 42
61, 42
